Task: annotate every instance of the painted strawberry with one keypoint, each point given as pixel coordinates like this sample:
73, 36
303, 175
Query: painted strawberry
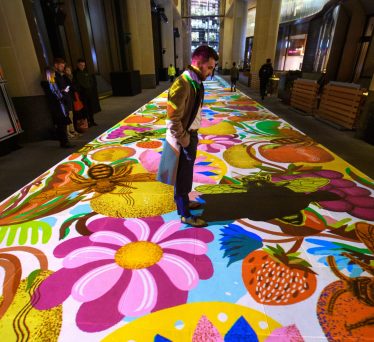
274, 277
271, 275
345, 308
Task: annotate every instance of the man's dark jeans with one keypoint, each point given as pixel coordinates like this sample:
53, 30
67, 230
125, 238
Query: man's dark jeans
183, 185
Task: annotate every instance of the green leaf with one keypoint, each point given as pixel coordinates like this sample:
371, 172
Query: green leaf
28, 232
31, 278
237, 124
268, 168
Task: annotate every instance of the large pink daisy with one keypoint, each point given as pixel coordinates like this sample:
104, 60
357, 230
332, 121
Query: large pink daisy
126, 268
216, 143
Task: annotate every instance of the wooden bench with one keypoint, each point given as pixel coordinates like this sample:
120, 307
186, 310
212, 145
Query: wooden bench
304, 95
341, 104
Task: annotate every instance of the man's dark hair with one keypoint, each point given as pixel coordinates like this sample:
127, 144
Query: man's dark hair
233, 63
268, 60
205, 52
81, 60
59, 60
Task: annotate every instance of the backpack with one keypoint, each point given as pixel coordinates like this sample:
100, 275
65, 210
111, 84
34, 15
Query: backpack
266, 71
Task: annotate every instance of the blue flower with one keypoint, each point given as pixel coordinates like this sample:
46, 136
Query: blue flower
238, 242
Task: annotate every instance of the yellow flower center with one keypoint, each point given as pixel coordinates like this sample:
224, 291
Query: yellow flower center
140, 254
206, 141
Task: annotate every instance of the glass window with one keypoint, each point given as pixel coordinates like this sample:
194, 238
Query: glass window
205, 23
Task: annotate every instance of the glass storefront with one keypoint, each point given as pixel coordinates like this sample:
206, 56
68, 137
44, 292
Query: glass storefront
205, 23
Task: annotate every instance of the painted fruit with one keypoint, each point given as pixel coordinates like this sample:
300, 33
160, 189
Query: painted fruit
148, 199
139, 119
222, 128
272, 282
22, 321
149, 144
237, 156
343, 324
296, 153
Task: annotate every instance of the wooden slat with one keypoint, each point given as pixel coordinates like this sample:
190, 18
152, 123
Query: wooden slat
346, 90
304, 95
303, 91
345, 121
345, 100
339, 106
339, 95
302, 102
327, 109
305, 86
337, 117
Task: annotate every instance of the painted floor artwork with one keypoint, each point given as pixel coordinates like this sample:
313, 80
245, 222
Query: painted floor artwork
93, 249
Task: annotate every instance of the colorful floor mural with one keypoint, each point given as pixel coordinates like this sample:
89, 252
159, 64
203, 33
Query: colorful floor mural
93, 249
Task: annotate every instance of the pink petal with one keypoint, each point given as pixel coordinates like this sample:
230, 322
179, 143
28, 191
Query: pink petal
140, 297
199, 178
67, 246
96, 283
181, 273
202, 264
194, 233
166, 230
139, 228
102, 313
82, 256
57, 287
168, 294
191, 246
105, 223
110, 237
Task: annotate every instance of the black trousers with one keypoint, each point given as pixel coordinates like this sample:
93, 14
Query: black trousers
263, 85
183, 185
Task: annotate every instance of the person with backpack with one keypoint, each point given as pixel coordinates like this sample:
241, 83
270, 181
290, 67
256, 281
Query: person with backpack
234, 76
265, 72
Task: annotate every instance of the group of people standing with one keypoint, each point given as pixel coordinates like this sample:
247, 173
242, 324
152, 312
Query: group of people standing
72, 98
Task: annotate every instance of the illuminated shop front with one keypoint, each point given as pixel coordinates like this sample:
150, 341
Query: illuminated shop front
205, 23
293, 32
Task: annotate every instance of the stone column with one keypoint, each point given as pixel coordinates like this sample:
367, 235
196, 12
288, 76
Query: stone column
239, 30
232, 40
140, 25
167, 34
17, 53
179, 41
265, 36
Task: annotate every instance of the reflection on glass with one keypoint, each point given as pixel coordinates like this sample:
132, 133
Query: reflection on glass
297, 9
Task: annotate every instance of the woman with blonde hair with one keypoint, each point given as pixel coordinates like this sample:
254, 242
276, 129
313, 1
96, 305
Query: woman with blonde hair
56, 106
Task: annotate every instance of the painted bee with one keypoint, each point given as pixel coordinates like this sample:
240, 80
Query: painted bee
102, 178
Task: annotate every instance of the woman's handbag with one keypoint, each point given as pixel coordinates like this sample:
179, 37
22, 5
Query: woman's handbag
78, 104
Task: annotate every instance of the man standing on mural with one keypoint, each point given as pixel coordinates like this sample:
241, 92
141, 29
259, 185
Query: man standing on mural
266, 71
185, 100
